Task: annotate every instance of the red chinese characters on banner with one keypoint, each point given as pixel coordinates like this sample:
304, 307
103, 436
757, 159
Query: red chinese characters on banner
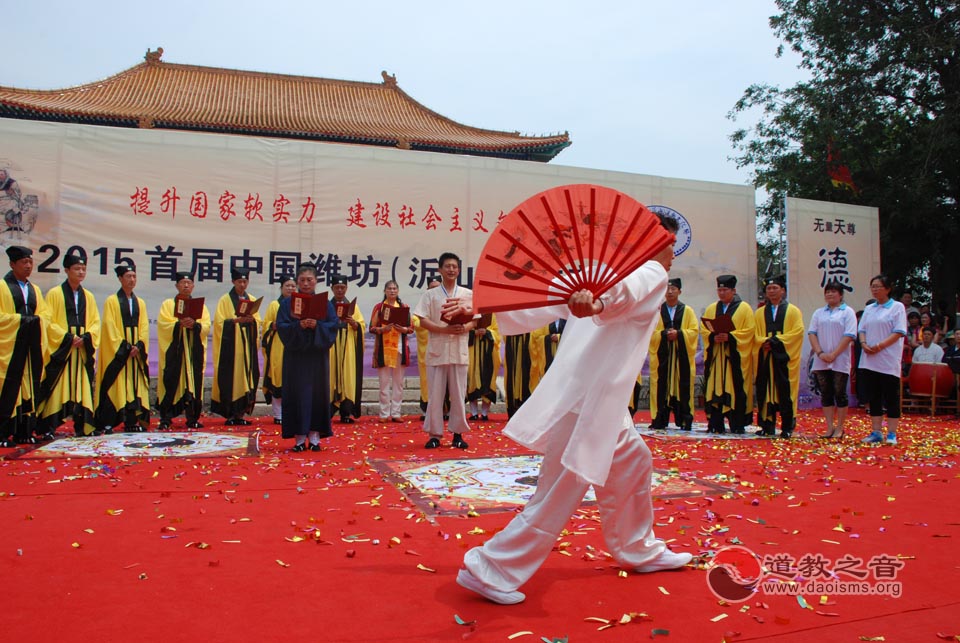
225, 203
252, 206
381, 215
140, 201
309, 209
431, 218
406, 217
198, 205
355, 215
455, 221
168, 202
280, 213
478, 222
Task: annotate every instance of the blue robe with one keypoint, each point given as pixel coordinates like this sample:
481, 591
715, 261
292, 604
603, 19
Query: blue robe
306, 372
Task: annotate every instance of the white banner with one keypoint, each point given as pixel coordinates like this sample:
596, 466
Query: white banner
829, 242
172, 201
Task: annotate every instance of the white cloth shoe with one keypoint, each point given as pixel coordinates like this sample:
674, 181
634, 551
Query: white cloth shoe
471, 582
666, 560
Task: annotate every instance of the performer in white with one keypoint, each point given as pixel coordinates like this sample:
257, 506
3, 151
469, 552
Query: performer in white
577, 418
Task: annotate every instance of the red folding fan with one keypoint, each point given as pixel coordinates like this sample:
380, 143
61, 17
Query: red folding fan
565, 239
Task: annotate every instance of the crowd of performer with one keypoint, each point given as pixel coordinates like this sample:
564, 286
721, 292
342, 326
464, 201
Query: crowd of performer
64, 361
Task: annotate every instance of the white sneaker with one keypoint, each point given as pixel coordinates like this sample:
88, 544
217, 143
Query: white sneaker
891, 439
471, 582
666, 560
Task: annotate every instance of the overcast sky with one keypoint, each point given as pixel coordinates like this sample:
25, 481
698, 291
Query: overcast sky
641, 86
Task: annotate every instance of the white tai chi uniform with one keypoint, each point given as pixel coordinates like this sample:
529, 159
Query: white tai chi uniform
577, 417
447, 360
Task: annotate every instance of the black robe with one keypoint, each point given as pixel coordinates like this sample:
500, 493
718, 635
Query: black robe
306, 372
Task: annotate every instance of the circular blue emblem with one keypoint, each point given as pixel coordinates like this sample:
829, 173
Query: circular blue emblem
684, 234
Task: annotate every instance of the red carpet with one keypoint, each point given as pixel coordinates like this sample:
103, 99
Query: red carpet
318, 546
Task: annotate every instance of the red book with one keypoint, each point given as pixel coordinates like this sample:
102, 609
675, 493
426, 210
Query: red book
399, 316
192, 308
720, 324
485, 320
345, 309
459, 318
304, 306
248, 307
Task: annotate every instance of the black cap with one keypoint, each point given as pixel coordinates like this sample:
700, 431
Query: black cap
338, 279
239, 273
72, 260
779, 280
16, 253
183, 275
726, 281
123, 269
676, 283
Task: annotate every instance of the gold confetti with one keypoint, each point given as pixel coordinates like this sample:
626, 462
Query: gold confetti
88, 531
663, 590
114, 512
517, 635
426, 569
295, 539
76, 545
718, 617
282, 564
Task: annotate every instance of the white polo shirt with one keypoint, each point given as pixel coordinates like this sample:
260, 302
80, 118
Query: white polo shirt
831, 325
877, 323
443, 349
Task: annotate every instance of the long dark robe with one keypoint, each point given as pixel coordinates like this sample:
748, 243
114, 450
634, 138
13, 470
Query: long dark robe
773, 368
549, 347
61, 370
517, 371
116, 401
673, 361
734, 395
237, 391
24, 348
306, 372
482, 359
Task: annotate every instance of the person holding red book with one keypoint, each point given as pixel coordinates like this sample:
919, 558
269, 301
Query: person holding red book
182, 342
390, 326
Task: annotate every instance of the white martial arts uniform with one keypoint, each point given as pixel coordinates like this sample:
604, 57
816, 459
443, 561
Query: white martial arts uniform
577, 417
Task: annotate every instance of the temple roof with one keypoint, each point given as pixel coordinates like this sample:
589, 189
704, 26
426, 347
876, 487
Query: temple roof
156, 94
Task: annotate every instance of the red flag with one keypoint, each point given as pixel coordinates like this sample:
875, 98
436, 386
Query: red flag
839, 173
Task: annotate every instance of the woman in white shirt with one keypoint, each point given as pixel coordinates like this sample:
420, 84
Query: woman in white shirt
390, 356
882, 331
833, 329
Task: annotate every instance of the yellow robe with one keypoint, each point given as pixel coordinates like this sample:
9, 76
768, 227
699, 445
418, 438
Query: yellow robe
123, 380
67, 388
184, 352
346, 368
423, 336
524, 366
728, 368
772, 378
23, 353
236, 368
676, 378
272, 354
484, 364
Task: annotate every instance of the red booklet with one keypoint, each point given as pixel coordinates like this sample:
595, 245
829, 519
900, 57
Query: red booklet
485, 320
345, 309
399, 316
720, 324
192, 308
248, 307
460, 318
308, 306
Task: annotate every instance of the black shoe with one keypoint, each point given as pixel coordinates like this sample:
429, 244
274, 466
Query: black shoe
299, 448
473, 416
347, 420
315, 447
432, 443
277, 421
194, 425
46, 437
484, 418
687, 425
786, 435
237, 422
7, 444
163, 426
458, 442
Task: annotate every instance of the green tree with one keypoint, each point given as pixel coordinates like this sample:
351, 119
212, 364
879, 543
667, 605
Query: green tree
883, 95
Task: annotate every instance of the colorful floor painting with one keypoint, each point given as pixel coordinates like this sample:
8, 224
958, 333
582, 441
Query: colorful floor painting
497, 484
173, 444
697, 432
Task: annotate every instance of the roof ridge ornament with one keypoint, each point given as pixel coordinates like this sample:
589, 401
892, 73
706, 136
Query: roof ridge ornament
388, 79
153, 57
